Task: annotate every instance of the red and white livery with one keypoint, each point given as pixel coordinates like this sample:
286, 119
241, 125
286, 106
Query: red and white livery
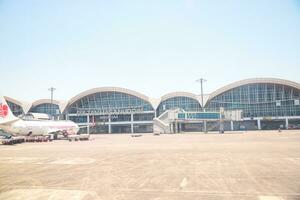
17, 126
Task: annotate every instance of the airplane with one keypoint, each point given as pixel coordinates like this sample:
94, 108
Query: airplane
19, 127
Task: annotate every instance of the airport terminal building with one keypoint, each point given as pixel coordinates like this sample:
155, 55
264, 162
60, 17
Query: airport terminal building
265, 103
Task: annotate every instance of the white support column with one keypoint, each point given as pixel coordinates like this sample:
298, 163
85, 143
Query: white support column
287, 123
173, 127
109, 124
258, 124
180, 127
231, 125
131, 123
88, 124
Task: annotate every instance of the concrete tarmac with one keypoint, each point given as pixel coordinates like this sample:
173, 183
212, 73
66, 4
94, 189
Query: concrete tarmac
252, 166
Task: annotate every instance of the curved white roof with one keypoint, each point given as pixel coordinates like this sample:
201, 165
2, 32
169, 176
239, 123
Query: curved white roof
43, 101
13, 101
62, 104
24, 105
110, 89
253, 81
179, 94
154, 102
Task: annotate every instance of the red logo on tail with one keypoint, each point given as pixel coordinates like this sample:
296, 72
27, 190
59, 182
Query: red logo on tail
3, 110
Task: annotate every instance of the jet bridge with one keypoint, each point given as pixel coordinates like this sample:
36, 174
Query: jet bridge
171, 121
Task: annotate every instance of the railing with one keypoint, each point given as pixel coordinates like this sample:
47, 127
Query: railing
160, 127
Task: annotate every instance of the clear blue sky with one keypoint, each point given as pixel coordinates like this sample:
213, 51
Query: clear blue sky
153, 46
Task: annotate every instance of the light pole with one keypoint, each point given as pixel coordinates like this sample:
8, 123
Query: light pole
201, 80
52, 89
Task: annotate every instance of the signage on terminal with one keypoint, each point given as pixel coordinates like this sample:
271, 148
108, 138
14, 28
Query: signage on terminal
110, 111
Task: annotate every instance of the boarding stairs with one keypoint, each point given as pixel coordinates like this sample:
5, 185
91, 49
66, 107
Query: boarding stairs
162, 124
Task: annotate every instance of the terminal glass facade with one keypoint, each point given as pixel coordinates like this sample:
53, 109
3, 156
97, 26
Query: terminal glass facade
112, 112
259, 100
107, 101
15, 108
46, 108
181, 102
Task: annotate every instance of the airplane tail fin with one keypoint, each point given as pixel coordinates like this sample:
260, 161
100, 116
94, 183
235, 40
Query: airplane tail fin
6, 115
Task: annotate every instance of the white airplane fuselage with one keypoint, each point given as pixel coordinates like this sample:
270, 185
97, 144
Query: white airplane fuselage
40, 127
